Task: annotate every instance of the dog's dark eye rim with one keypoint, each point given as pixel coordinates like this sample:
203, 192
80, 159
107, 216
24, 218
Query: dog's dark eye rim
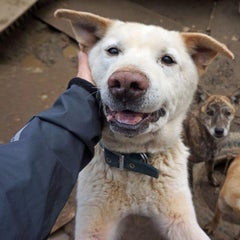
114, 51
168, 60
227, 113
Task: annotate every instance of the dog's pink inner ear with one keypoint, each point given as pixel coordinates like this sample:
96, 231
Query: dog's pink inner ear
204, 49
88, 28
203, 57
86, 34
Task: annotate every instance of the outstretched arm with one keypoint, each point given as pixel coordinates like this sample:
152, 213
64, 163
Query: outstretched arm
39, 167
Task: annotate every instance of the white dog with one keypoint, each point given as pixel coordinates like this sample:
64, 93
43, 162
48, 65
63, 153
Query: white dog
146, 77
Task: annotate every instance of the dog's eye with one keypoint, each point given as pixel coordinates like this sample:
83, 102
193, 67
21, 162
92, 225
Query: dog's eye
210, 112
166, 59
227, 113
113, 51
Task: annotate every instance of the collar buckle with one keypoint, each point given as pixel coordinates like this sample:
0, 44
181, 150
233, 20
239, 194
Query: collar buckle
144, 157
120, 160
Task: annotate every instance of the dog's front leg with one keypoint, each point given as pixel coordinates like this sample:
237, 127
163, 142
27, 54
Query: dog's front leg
180, 227
90, 225
187, 231
177, 219
209, 165
211, 227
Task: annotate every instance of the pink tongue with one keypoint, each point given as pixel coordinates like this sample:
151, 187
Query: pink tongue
128, 118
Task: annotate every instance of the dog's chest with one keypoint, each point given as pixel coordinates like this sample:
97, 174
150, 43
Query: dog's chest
130, 190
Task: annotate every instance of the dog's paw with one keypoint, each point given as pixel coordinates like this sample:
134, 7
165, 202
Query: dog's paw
209, 228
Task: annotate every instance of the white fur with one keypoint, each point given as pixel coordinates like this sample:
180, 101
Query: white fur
106, 194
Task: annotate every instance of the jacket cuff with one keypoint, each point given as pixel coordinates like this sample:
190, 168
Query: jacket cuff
84, 84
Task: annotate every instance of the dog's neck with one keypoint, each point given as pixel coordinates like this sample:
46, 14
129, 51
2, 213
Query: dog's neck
152, 142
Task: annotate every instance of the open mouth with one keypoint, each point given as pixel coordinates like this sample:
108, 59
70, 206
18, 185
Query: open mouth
131, 123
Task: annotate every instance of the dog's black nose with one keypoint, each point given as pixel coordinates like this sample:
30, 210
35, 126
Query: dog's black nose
127, 85
219, 132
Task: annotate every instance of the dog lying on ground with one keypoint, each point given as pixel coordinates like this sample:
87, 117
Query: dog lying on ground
207, 127
146, 77
229, 197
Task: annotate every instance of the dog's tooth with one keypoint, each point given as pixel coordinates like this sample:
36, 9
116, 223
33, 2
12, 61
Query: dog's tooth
109, 118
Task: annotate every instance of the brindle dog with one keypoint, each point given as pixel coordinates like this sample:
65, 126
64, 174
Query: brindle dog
207, 127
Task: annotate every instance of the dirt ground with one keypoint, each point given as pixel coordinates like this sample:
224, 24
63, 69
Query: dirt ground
37, 61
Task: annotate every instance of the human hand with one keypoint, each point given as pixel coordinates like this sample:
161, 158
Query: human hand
84, 71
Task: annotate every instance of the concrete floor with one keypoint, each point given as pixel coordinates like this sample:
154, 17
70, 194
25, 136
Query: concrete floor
36, 61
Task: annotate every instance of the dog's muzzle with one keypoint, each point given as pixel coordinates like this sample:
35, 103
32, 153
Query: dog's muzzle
127, 89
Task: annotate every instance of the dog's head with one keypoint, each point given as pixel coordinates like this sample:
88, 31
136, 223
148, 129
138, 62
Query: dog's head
146, 75
216, 112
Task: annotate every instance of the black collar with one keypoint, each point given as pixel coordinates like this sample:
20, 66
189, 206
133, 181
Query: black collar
136, 162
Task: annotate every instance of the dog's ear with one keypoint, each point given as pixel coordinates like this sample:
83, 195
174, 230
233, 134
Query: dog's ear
204, 49
88, 28
201, 95
235, 97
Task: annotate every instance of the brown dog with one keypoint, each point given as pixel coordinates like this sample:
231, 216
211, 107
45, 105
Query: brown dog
229, 197
206, 128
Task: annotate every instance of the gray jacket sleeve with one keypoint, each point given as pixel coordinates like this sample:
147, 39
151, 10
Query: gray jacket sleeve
39, 167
